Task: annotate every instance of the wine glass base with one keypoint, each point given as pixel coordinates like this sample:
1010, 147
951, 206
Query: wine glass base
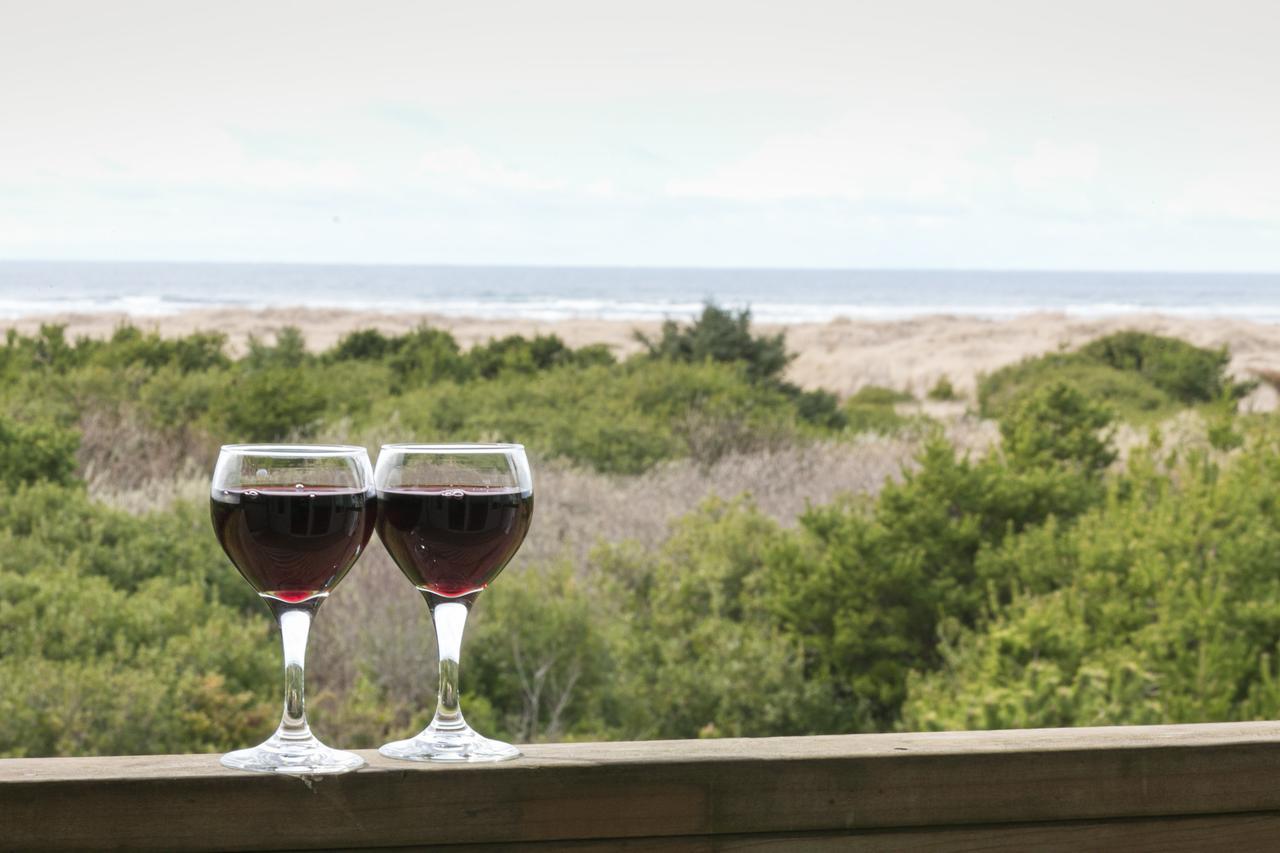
301, 757
456, 745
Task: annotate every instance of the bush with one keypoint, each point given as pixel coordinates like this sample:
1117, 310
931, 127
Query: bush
1158, 607
1058, 425
124, 634
868, 593
268, 404
1188, 373
943, 390
516, 354
425, 356
721, 336
130, 346
622, 418
1138, 375
819, 408
702, 655
878, 395
873, 409
289, 352
1128, 394
539, 652
32, 452
1033, 584
363, 345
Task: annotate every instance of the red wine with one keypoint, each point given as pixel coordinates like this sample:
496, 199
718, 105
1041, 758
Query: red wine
452, 541
293, 543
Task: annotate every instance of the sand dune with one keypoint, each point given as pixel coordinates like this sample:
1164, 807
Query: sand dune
841, 356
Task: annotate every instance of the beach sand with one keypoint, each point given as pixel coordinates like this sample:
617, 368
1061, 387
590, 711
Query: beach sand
840, 356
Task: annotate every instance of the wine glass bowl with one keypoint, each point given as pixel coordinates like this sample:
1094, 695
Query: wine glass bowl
293, 519
452, 516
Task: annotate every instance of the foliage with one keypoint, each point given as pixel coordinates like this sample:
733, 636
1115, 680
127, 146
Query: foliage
703, 655
874, 409
943, 390
1188, 373
622, 418
123, 634
1158, 606
1127, 393
869, 592
1057, 425
878, 395
1039, 582
31, 452
710, 389
539, 652
721, 336
1137, 374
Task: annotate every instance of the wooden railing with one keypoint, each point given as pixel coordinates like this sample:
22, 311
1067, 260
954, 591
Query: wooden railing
1138, 788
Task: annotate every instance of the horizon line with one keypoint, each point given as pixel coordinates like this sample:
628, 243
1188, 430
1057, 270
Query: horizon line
653, 267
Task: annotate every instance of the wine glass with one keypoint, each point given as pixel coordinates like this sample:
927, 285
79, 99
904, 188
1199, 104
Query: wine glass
293, 519
452, 516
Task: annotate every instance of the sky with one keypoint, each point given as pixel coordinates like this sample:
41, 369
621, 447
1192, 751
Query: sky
1023, 134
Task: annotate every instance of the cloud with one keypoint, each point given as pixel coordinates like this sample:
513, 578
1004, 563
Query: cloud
1243, 197
465, 168
890, 157
1058, 180
1050, 165
189, 156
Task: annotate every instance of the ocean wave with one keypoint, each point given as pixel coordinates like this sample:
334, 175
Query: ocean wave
548, 294
552, 310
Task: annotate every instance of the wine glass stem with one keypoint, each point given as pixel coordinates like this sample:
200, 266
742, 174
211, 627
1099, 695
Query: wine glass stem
450, 618
295, 624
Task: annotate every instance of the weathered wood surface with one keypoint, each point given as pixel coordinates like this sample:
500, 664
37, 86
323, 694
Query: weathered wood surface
1134, 788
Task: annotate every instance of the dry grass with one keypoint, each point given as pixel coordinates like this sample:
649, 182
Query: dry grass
578, 508
378, 626
377, 622
126, 463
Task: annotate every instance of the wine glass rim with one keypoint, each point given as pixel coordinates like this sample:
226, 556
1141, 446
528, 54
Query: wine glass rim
298, 450
452, 448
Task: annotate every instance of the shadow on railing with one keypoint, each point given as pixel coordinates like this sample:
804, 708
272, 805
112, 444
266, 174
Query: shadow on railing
1136, 788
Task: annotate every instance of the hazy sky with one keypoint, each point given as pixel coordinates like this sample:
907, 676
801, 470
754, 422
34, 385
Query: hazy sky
1028, 133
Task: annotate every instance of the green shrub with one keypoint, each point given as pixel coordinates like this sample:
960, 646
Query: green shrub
873, 409
129, 346
39, 451
517, 354
1188, 373
1128, 394
870, 418
362, 345
868, 593
124, 634
622, 418
702, 656
878, 395
1140, 376
817, 407
539, 653
268, 404
943, 390
424, 356
1058, 425
1033, 584
721, 336
1160, 606
288, 352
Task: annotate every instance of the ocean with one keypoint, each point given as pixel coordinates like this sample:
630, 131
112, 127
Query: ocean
552, 293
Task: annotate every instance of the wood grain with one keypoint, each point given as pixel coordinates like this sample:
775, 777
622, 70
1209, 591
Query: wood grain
1120, 784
